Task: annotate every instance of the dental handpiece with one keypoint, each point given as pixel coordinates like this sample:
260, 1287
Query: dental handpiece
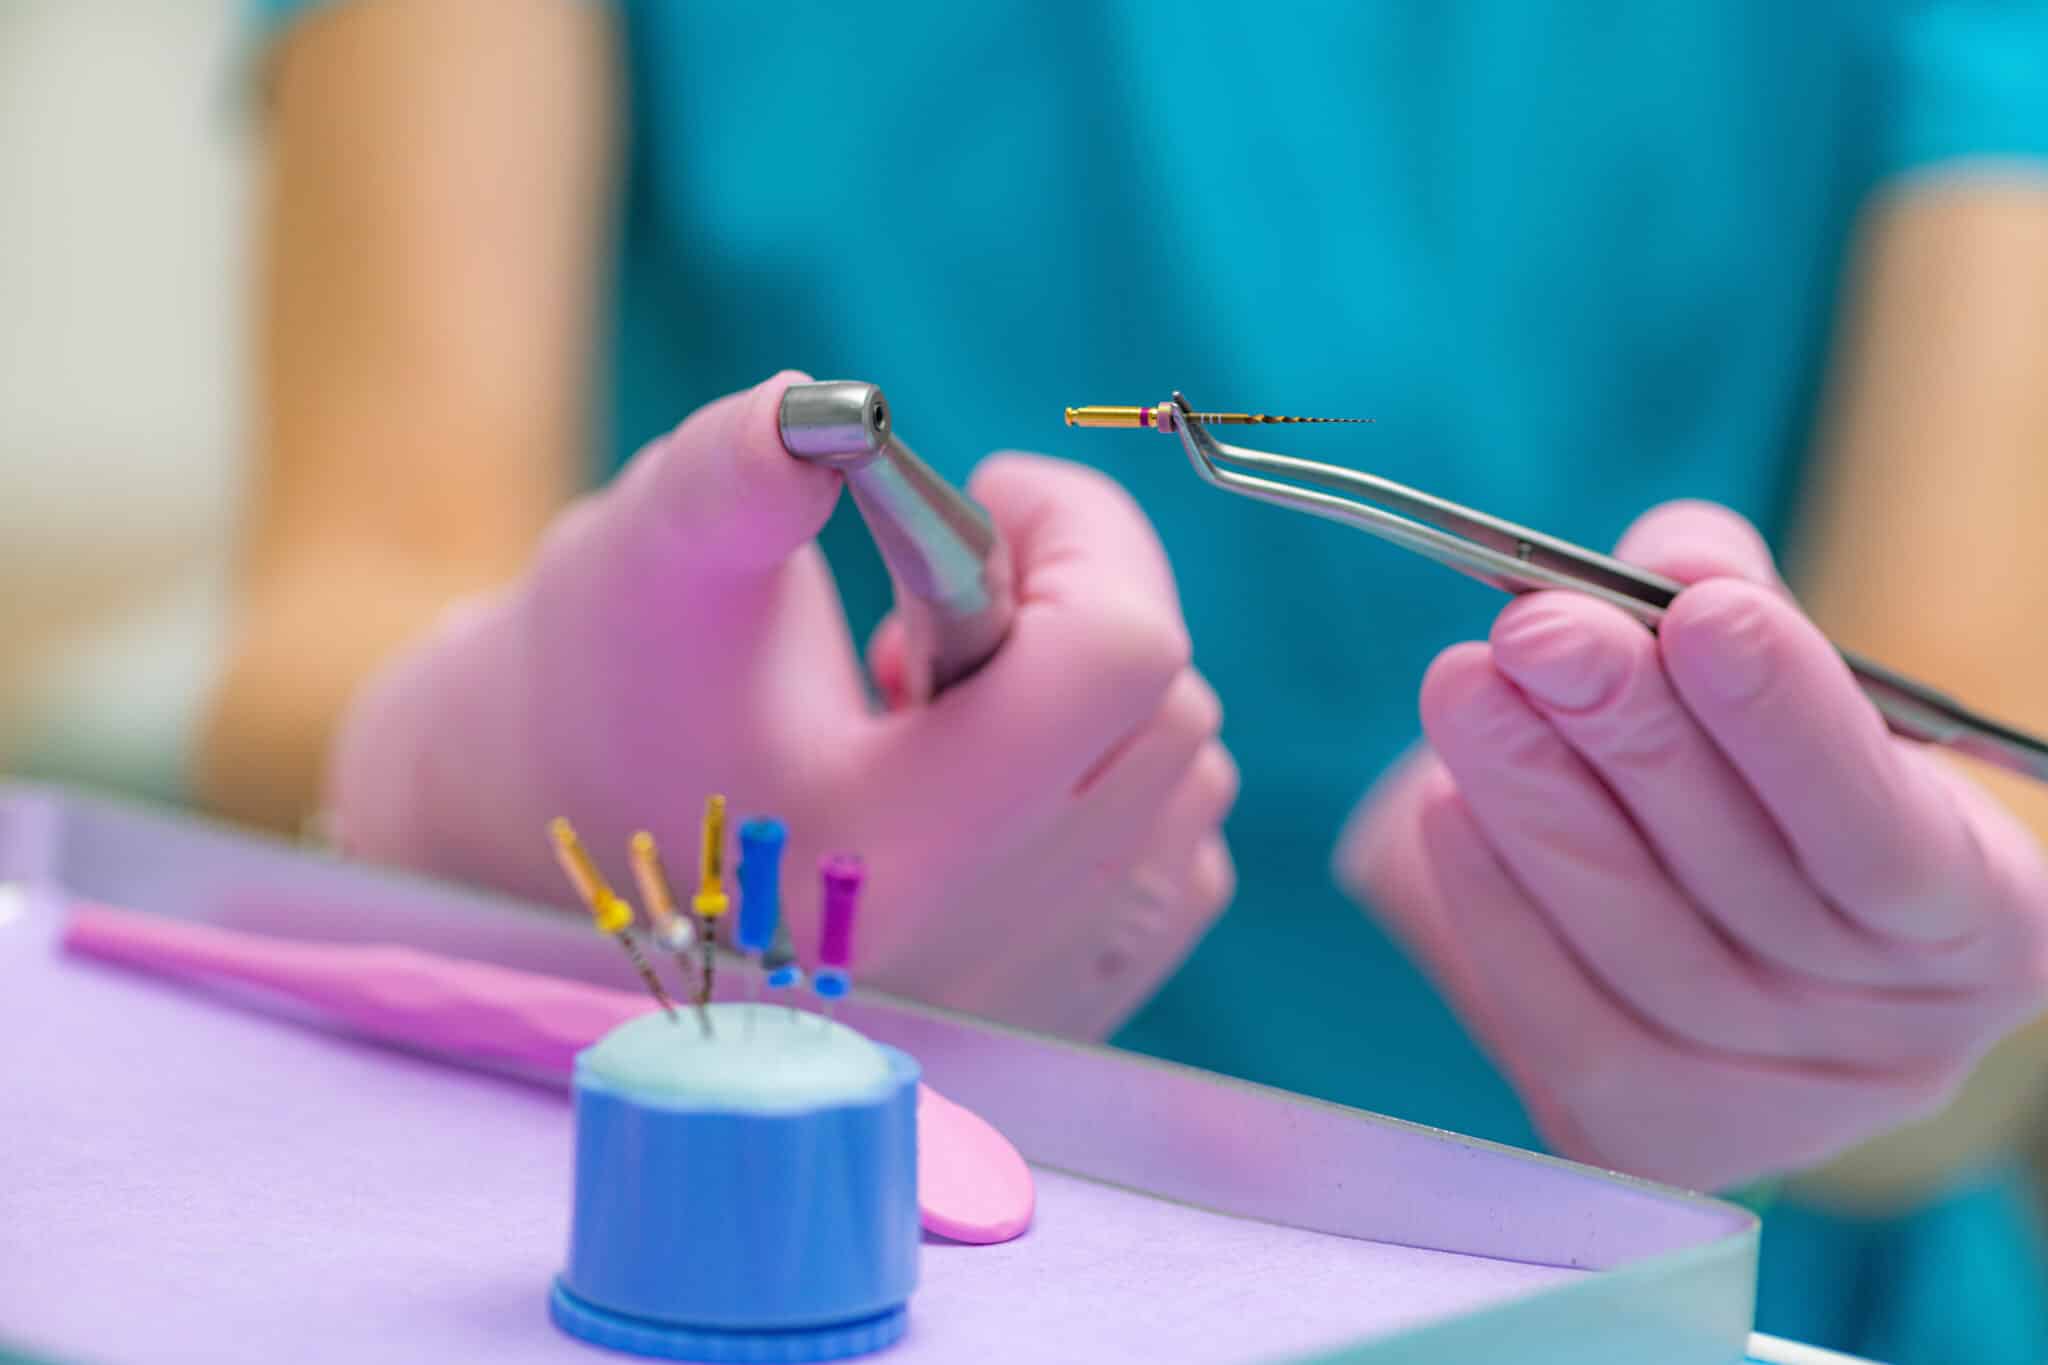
950, 569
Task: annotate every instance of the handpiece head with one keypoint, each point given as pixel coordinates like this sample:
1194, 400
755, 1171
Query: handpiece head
838, 422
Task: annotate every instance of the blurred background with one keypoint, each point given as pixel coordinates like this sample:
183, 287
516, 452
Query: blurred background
123, 182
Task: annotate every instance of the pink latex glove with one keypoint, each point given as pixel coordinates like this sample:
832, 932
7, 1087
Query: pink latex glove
1713, 921
1042, 841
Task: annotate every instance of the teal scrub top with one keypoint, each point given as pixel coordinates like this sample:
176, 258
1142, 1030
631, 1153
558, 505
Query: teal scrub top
1574, 258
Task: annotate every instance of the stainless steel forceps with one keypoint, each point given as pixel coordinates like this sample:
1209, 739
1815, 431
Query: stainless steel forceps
1516, 559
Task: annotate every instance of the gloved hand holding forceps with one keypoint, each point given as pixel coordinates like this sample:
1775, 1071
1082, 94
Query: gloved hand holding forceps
1712, 918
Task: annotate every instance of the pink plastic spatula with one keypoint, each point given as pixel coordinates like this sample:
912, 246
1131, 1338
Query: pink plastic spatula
972, 1185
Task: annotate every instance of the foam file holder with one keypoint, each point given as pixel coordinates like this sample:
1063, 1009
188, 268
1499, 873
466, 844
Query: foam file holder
189, 1180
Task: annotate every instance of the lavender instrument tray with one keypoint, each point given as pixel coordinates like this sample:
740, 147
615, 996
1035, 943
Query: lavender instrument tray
192, 1178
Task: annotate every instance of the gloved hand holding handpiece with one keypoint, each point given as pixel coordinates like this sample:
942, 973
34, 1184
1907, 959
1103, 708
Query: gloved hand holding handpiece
1043, 837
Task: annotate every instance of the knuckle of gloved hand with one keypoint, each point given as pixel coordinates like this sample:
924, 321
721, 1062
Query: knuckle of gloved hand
1420, 808
1699, 1004
2028, 959
1647, 736
1442, 819
1904, 890
1000, 466
1608, 686
1718, 524
1103, 487
1192, 709
1217, 774
1571, 655
997, 477
1141, 645
2009, 1009
1213, 881
1727, 635
1616, 1072
1924, 1091
1005, 475
1466, 705
1692, 540
573, 536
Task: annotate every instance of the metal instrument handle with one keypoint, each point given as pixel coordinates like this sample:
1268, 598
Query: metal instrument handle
1516, 559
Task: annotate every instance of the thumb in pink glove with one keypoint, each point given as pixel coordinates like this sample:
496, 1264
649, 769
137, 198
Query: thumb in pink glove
1711, 918
1043, 841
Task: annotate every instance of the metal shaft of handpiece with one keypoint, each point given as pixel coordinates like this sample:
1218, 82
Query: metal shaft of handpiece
950, 569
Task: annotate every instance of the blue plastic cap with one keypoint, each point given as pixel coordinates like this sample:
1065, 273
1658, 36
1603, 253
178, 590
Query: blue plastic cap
785, 977
760, 875
830, 982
